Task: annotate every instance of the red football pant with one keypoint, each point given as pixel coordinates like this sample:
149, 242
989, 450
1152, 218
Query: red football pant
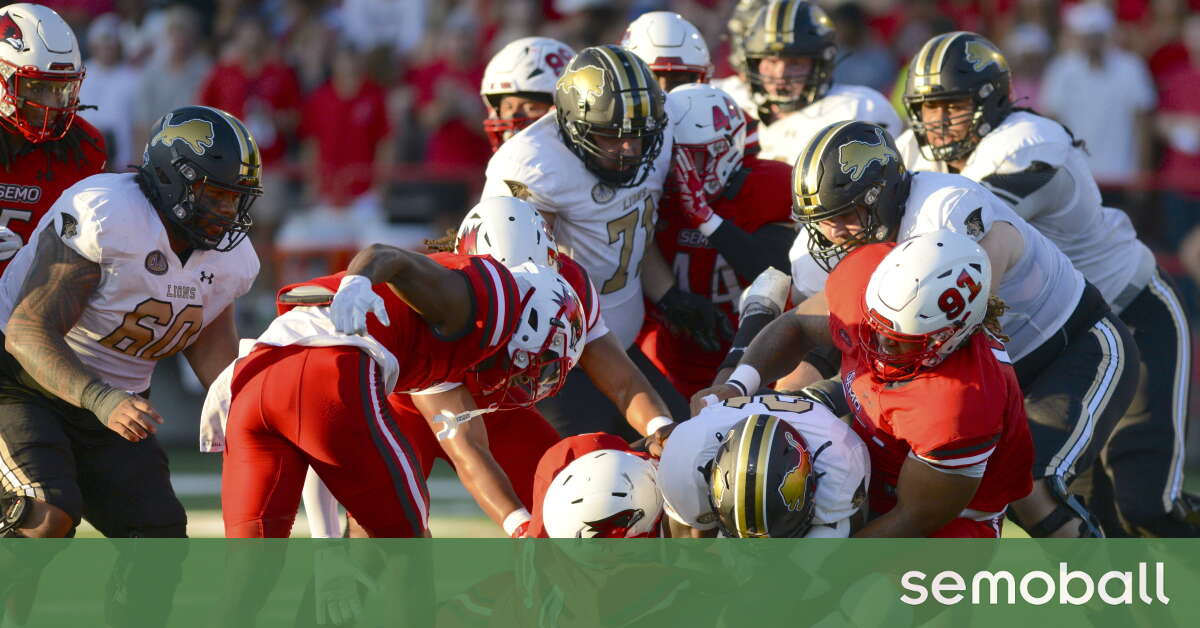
324, 407
517, 439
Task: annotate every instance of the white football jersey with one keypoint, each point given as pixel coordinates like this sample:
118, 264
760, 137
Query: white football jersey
843, 466
1100, 241
148, 305
602, 227
783, 139
1041, 290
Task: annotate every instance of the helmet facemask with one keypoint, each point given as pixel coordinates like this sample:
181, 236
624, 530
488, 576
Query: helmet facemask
954, 150
501, 129
41, 106
196, 214
795, 91
621, 170
874, 223
890, 365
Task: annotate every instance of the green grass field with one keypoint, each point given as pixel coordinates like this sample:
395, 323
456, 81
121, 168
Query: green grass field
453, 514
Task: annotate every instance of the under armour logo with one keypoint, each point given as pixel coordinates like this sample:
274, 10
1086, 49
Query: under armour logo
208, 277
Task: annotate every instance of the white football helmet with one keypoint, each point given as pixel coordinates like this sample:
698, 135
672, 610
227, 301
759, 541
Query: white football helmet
931, 290
668, 43
604, 494
712, 129
528, 67
40, 72
508, 229
546, 345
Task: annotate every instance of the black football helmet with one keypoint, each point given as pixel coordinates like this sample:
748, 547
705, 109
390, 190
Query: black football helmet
607, 90
762, 482
849, 166
953, 66
739, 25
790, 28
194, 154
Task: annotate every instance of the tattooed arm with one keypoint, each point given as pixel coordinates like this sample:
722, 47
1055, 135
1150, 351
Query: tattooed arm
58, 286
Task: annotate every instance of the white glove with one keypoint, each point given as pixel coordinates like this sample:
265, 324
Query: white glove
768, 293
336, 586
9, 241
353, 301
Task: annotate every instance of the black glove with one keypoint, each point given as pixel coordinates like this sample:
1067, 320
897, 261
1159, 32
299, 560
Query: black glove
692, 315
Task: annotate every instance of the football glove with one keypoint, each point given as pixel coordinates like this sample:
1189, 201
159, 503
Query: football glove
691, 315
353, 301
688, 188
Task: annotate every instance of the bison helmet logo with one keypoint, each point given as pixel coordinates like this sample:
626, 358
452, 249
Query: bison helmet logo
856, 156
11, 33
794, 486
197, 133
981, 55
587, 82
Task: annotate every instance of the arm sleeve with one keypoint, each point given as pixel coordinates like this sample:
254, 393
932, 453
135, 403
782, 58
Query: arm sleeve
750, 254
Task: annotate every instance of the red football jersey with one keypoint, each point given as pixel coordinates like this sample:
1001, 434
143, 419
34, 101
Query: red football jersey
426, 357
35, 180
966, 411
557, 458
764, 197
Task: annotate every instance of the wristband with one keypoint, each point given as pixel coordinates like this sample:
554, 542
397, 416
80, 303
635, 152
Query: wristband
745, 377
658, 423
515, 519
101, 399
710, 226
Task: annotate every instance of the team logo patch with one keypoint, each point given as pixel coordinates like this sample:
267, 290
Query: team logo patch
518, 189
587, 83
70, 226
156, 263
793, 488
856, 156
603, 193
981, 55
10, 31
196, 133
974, 223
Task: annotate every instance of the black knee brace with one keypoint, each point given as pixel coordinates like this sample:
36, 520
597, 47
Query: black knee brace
13, 511
1069, 507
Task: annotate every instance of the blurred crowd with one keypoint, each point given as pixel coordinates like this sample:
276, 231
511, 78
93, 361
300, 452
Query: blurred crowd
369, 118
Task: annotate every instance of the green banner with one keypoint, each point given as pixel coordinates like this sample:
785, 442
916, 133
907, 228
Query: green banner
602, 583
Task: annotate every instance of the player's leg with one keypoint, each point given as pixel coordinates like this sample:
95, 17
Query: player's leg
1145, 455
263, 471
1073, 403
357, 448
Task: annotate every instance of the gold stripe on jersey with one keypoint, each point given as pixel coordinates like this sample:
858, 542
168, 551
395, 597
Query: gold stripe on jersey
807, 170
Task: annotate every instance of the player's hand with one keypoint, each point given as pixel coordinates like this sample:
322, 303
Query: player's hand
712, 396
336, 581
687, 314
656, 441
134, 419
768, 294
9, 240
687, 186
353, 301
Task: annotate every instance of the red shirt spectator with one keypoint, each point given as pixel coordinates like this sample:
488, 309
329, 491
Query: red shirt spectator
1180, 95
259, 98
446, 99
346, 119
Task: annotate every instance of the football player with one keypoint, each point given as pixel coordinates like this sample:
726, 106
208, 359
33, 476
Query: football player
326, 360
671, 46
851, 189
725, 218
910, 320
513, 233
812, 470
518, 85
123, 271
789, 53
45, 146
594, 486
596, 170
959, 100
